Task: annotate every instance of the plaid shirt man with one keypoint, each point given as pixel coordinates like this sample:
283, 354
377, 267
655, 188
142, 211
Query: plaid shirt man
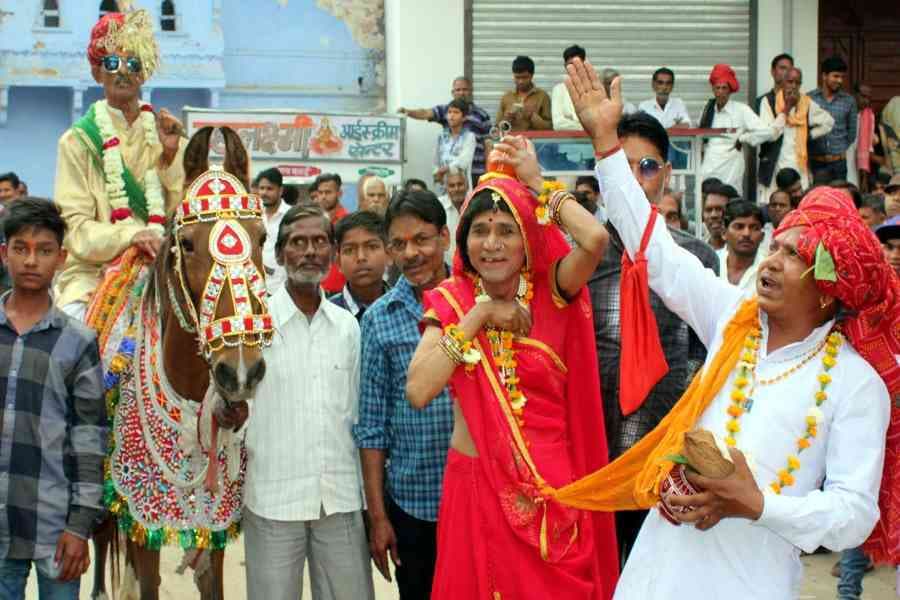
53, 436
416, 441
843, 108
682, 349
478, 121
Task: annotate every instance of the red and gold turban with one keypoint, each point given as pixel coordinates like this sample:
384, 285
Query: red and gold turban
130, 32
850, 266
723, 73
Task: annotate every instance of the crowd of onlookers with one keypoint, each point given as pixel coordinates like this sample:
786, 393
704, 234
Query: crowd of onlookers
376, 262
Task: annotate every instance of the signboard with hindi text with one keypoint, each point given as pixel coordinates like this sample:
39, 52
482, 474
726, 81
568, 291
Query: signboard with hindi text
305, 136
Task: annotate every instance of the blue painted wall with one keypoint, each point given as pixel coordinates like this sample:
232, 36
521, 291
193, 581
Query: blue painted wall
259, 54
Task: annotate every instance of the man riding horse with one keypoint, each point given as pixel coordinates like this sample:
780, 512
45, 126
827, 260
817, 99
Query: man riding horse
119, 168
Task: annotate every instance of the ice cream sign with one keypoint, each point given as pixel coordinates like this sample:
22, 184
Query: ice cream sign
308, 136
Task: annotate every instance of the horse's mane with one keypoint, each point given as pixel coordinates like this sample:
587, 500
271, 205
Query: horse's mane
196, 163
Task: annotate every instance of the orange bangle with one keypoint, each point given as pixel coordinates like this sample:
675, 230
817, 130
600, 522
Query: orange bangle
608, 153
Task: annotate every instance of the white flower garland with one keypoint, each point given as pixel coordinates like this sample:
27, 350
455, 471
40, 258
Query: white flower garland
113, 167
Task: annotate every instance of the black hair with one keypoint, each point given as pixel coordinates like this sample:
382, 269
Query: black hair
664, 71
413, 181
642, 125
272, 175
522, 64
326, 177
480, 202
422, 205
875, 202
33, 213
574, 51
786, 177
842, 184
314, 186
12, 178
738, 209
365, 219
781, 57
296, 213
459, 104
582, 199
834, 64
709, 184
588, 180
720, 189
290, 194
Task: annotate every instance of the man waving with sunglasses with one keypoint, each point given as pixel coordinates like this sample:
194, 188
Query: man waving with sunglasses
646, 145
119, 168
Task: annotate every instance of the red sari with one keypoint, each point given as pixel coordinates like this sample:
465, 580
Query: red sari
500, 536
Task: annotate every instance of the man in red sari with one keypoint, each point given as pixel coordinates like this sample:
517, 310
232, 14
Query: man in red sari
511, 332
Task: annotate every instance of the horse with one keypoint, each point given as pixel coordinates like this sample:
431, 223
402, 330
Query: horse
181, 340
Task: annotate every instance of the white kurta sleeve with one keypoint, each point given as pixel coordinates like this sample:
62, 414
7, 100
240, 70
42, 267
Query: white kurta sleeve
844, 512
820, 121
688, 289
683, 114
752, 130
559, 109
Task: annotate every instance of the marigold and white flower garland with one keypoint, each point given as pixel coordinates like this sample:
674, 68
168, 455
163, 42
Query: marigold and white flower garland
741, 403
114, 166
542, 211
502, 345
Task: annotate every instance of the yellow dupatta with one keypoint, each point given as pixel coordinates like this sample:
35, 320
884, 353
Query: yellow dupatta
799, 119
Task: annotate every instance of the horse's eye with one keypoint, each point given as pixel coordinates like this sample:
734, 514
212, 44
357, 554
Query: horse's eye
187, 245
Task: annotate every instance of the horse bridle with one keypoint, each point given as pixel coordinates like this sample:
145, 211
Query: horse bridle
220, 198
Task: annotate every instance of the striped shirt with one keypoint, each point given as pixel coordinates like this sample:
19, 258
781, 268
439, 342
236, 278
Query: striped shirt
416, 441
843, 109
53, 432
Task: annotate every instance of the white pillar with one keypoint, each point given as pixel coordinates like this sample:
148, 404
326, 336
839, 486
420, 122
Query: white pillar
790, 26
425, 52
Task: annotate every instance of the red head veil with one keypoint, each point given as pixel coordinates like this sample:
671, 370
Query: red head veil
521, 474
850, 266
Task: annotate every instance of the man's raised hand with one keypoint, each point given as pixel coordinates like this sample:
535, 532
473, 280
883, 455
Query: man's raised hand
599, 114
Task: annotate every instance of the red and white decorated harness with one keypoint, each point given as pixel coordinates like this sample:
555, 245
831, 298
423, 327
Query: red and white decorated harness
217, 196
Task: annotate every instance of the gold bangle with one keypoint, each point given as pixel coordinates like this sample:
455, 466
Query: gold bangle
451, 349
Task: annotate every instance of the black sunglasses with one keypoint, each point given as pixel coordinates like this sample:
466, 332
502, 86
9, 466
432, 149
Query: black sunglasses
112, 63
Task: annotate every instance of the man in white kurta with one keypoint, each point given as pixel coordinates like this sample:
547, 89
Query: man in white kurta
303, 495
745, 542
814, 122
723, 156
739, 558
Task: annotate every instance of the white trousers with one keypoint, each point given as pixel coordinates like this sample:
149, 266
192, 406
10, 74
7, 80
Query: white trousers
339, 564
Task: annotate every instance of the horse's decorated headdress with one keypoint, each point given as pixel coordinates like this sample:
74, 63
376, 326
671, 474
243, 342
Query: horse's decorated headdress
218, 196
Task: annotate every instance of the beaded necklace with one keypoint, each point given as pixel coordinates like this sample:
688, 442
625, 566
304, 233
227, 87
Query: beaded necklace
745, 384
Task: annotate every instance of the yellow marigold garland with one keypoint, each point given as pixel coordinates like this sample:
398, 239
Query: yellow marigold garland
542, 210
741, 402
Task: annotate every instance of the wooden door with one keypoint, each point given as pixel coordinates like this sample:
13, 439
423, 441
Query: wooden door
866, 33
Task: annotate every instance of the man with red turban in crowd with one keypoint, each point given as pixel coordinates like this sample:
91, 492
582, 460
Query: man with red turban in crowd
797, 388
119, 168
723, 156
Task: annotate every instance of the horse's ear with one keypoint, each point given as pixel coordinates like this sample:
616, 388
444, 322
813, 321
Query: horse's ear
237, 162
196, 156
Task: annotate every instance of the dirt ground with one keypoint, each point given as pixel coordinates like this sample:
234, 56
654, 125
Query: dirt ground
819, 584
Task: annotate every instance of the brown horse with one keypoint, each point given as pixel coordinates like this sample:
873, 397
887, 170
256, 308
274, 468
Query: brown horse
211, 354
